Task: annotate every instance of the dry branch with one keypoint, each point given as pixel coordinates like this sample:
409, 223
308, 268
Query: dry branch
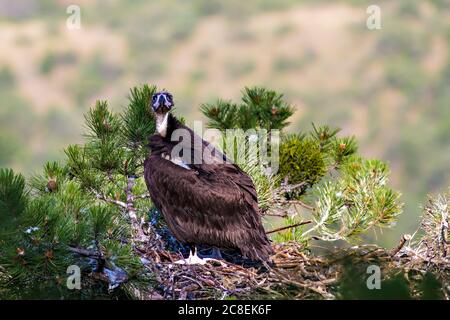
289, 227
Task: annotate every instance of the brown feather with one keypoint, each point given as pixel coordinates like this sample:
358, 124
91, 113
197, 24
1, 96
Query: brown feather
214, 204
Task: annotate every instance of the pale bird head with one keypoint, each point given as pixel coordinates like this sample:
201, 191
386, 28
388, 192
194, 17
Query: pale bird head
162, 102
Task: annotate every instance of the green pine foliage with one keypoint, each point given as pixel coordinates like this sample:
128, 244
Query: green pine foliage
301, 161
336, 149
355, 202
347, 194
260, 109
435, 225
13, 199
53, 224
249, 158
324, 135
135, 118
78, 213
306, 158
90, 210
292, 234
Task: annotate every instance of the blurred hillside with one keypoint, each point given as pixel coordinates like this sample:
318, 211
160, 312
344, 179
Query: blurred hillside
389, 87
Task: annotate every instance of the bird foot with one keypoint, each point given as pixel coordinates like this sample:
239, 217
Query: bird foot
192, 259
195, 259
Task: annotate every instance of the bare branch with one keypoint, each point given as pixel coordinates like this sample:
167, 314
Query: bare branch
403, 240
84, 252
131, 210
289, 227
304, 205
143, 196
109, 200
282, 214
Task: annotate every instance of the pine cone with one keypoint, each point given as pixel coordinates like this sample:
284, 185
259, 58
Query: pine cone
52, 185
214, 112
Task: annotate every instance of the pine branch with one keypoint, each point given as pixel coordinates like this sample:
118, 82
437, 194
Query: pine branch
405, 238
84, 252
138, 120
282, 214
101, 122
289, 227
139, 234
304, 205
109, 200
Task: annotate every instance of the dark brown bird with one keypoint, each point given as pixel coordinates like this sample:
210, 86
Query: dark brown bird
204, 198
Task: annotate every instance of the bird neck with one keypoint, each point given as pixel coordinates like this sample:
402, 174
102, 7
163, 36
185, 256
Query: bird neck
162, 120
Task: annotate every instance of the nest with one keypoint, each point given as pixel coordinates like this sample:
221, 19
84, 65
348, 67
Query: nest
290, 274
293, 272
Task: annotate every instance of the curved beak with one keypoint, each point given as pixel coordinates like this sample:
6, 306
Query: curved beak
161, 104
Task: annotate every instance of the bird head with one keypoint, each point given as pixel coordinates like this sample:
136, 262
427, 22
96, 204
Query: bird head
162, 102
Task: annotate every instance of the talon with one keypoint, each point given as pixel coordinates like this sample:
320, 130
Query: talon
192, 259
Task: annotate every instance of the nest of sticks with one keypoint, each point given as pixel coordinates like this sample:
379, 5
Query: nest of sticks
294, 273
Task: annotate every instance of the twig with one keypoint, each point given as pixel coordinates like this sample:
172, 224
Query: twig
111, 179
84, 252
307, 206
289, 227
143, 196
290, 187
443, 232
403, 240
109, 200
282, 214
131, 210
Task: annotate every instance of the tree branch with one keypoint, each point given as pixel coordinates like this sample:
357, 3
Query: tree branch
304, 205
140, 235
109, 200
403, 240
289, 227
84, 252
282, 214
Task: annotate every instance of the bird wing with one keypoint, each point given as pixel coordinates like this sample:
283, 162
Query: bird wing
213, 204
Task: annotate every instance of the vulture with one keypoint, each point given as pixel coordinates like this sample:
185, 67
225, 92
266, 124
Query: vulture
204, 198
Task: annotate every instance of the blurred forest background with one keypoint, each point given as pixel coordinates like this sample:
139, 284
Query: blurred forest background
388, 87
